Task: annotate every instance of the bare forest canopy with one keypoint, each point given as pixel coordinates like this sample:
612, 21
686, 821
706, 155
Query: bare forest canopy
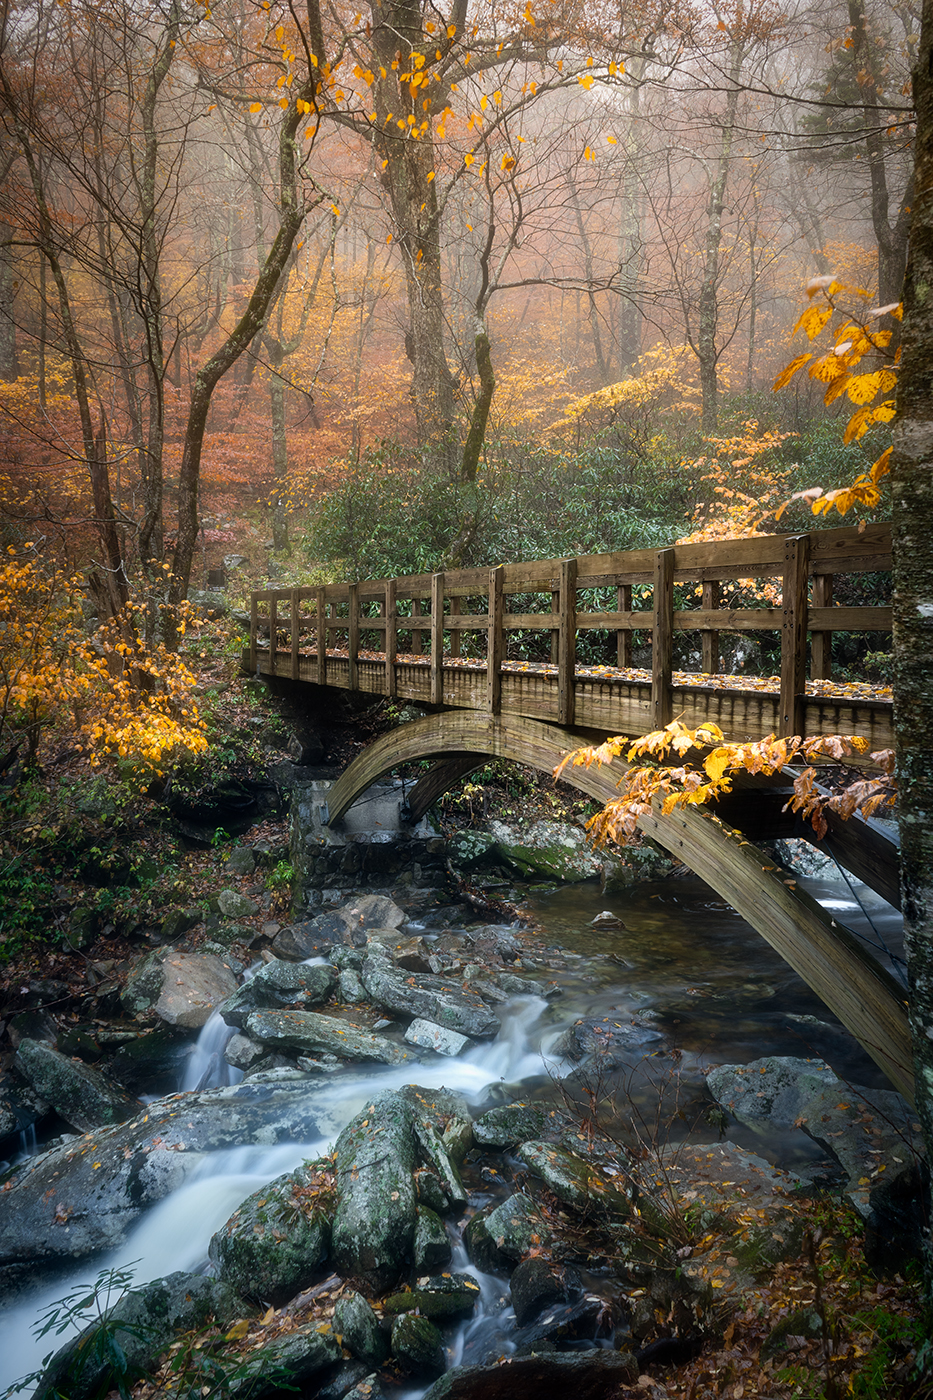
312, 273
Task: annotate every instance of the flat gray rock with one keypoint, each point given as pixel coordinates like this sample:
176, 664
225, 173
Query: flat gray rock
307, 1030
423, 995
80, 1094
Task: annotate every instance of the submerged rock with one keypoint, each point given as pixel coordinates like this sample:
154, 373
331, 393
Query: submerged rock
81, 1095
272, 1245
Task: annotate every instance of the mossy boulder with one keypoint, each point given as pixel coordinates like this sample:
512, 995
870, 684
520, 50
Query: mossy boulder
509, 1124
357, 1324
573, 1181
446, 1295
83, 1096
418, 1347
553, 849
431, 1245
273, 1244
497, 1237
374, 1225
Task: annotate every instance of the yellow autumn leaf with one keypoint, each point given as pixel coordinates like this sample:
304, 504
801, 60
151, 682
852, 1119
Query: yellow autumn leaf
788, 373
813, 320
255, 106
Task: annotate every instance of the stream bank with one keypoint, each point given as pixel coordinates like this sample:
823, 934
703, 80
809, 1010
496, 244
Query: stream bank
601, 1012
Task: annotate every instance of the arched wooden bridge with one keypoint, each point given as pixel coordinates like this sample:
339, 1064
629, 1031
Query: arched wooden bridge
491, 704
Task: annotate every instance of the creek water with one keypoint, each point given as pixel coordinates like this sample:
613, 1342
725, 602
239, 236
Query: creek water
699, 984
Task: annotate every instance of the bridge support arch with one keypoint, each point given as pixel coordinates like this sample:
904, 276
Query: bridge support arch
867, 1000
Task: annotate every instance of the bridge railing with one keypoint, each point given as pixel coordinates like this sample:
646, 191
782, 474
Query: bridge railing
430, 615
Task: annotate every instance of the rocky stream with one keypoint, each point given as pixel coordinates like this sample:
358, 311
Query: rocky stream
412, 1142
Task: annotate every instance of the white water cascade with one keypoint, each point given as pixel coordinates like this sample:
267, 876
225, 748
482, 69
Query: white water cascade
175, 1234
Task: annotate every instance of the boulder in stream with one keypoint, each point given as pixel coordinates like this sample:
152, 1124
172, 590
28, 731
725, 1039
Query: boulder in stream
182, 988
80, 1094
359, 1327
418, 1347
307, 1030
271, 1246
445, 1296
574, 1181
497, 1237
510, 1124
436, 999
374, 1224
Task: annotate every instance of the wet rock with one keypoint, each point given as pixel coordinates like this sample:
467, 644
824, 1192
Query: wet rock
177, 922
144, 984
589, 1375
351, 988
193, 986
467, 849
355, 1321
287, 984
82, 1196
424, 995
352, 1380
446, 1296
271, 1246
535, 1285
510, 1124
524, 987
307, 1030
143, 1323
299, 941
555, 849
872, 1133
431, 1246
434, 1152
436, 1038
80, 1094
366, 1389
430, 1192
611, 1043
418, 1346
374, 1225
243, 1053
639, 863
562, 1324
498, 1237
573, 1181
236, 905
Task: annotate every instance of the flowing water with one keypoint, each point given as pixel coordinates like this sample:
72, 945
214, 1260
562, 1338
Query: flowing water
698, 982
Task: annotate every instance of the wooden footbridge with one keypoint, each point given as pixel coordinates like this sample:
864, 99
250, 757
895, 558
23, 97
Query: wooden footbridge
525, 661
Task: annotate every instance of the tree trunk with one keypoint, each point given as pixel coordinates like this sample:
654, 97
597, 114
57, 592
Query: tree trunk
912, 522
8, 365
707, 351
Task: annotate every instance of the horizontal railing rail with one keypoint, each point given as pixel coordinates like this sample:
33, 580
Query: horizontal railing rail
433, 613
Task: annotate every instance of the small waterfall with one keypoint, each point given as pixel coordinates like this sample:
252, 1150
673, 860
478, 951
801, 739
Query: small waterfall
486, 1332
205, 1067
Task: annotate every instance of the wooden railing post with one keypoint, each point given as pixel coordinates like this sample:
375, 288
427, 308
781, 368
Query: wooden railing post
495, 639
417, 645
567, 645
821, 643
253, 632
624, 636
710, 603
455, 610
391, 638
555, 631
321, 625
662, 639
273, 632
794, 633
294, 629
437, 639
353, 645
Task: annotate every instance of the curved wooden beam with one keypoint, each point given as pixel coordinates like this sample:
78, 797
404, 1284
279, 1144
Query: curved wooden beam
440, 778
867, 1000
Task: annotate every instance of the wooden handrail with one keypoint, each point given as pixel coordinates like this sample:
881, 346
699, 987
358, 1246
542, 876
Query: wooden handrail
794, 559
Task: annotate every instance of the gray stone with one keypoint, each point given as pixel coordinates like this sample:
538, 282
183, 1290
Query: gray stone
285, 1363
236, 905
177, 922
470, 848
351, 988
240, 861
417, 1346
193, 986
374, 1225
144, 984
243, 1053
370, 911
435, 1154
574, 1181
296, 942
289, 984
305, 747
436, 1038
271, 1246
431, 1245
510, 1124
534, 1286
497, 1237
357, 1324
80, 1094
435, 999
307, 1030
587, 1375
611, 1043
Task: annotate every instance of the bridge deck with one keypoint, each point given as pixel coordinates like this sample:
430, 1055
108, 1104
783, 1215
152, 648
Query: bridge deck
347, 636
